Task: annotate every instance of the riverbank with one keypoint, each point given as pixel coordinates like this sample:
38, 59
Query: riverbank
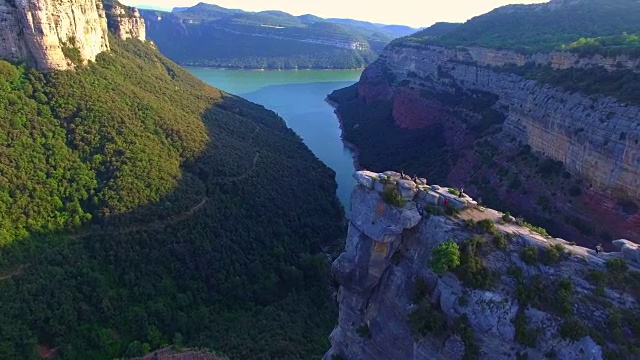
352, 147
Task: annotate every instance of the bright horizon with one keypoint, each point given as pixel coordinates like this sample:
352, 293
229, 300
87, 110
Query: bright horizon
400, 12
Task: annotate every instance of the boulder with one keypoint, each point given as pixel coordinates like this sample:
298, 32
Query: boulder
421, 181
378, 220
365, 178
630, 250
407, 189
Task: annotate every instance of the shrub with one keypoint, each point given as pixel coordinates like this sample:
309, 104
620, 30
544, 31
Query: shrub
445, 256
363, 331
506, 217
573, 329
427, 319
472, 270
529, 255
450, 210
500, 241
488, 226
391, 196
454, 191
616, 265
525, 335
464, 329
553, 254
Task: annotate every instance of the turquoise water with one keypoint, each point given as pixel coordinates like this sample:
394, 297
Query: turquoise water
298, 97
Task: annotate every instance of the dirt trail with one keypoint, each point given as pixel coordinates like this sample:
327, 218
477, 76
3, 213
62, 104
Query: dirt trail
15, 272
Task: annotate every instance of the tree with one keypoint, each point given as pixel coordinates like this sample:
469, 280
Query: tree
445, 256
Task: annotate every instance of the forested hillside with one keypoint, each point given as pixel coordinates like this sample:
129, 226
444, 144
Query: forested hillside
556, 25
141, 208
209, 35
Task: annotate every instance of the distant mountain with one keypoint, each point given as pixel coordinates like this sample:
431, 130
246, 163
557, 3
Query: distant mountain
590, 26
437, 29
210, 35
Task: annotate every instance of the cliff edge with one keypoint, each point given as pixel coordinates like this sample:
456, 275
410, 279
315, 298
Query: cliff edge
514, 293
58, 35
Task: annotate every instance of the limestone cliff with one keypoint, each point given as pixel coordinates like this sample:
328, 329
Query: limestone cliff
53, 34
125, 22
57, 35
597, 137
499, 303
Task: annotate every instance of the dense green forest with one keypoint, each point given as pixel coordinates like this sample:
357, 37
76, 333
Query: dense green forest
209, 35
550, 26
142, 208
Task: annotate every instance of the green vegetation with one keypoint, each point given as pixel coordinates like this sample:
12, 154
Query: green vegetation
183, 232
621, 84
616, 266
622, 44
487, 226
553, 254
525, 335
209, 35
392, 196
445, 257
428, 318
546, 27
573, 329
472, 271
535, 229
500, 241
463, 328
454, 191
551, 295
529, 255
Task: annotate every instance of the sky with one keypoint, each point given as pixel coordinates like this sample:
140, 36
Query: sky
415, 13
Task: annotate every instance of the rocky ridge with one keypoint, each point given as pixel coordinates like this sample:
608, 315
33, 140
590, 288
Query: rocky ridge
57, 35
385, 277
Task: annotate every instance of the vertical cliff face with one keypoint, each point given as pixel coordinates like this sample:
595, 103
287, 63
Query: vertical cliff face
492, 306
125, 22
57, 35
12, 45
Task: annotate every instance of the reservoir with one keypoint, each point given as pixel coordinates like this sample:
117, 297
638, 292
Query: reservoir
299, 98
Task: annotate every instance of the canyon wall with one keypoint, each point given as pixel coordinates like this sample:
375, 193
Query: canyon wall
58, 35
597, 137
126, 22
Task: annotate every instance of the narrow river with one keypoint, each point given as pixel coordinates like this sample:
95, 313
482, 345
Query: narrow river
299, 98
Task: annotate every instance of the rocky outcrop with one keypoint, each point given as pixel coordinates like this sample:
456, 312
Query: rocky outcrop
53, 35
387, 255
125, 22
